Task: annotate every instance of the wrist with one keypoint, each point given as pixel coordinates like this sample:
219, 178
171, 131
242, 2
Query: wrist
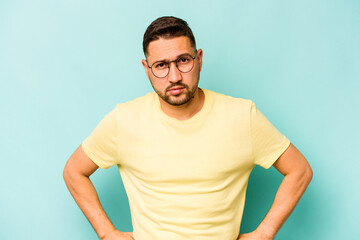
106, 233
266, 231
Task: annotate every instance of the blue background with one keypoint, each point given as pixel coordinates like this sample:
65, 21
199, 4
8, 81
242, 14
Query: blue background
65, 64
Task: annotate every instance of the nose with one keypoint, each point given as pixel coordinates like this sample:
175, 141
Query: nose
174, 73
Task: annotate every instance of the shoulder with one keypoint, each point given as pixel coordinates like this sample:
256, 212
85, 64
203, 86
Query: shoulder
227, 102
136, 105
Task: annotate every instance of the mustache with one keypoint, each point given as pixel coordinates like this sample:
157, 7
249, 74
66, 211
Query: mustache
177, 85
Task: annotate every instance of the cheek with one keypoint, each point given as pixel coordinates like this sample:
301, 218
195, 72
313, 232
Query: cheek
158, 84
195, 75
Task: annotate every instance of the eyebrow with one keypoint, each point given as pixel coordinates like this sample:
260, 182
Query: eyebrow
167, 60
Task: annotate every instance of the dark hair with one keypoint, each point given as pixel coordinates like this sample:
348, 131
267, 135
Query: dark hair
167, 27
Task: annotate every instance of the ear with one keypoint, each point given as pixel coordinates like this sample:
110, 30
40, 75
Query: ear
145, 65
199, 56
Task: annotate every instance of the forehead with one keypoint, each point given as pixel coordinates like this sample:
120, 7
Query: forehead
168, 49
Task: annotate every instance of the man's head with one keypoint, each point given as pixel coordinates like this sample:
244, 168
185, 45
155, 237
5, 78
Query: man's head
172, 62
167, 27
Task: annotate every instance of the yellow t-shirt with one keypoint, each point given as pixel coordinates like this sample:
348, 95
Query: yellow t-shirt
186, 179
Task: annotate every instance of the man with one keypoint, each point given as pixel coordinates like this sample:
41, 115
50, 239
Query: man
184, 153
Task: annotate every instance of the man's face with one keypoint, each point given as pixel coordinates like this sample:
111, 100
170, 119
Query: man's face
177, 88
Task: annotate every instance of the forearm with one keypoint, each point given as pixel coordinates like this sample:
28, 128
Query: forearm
288, 195
84, 193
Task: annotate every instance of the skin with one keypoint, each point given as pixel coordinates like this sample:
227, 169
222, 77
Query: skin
191, 97
292, 164
297, 176
76, 174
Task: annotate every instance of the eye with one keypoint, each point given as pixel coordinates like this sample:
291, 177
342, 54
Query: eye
184, 59
161, 65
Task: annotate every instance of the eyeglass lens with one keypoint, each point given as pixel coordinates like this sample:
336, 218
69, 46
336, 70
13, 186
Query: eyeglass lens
184, 63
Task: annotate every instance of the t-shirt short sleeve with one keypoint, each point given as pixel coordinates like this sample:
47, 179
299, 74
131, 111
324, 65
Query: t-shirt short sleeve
267, 142
102, 144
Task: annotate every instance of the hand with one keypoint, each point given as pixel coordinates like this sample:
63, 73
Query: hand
117, 235
254, 236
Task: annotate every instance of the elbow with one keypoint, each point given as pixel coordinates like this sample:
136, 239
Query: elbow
308, 175
67, 173
69, 177
302, 176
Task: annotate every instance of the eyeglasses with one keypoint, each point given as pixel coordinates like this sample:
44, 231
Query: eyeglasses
184, 64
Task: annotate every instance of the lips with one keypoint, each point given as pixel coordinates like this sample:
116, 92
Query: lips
176, 90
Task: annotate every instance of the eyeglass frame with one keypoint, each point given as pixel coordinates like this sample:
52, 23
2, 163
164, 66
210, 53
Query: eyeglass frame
175, 61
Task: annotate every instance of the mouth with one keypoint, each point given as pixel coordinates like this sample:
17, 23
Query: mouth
176, 90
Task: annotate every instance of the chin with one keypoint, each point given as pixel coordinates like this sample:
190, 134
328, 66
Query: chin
177, 100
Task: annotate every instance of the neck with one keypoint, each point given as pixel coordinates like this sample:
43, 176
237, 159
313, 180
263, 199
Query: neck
187, 110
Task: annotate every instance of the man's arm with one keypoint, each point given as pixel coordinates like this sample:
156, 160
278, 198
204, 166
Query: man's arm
76, 174
297, 176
